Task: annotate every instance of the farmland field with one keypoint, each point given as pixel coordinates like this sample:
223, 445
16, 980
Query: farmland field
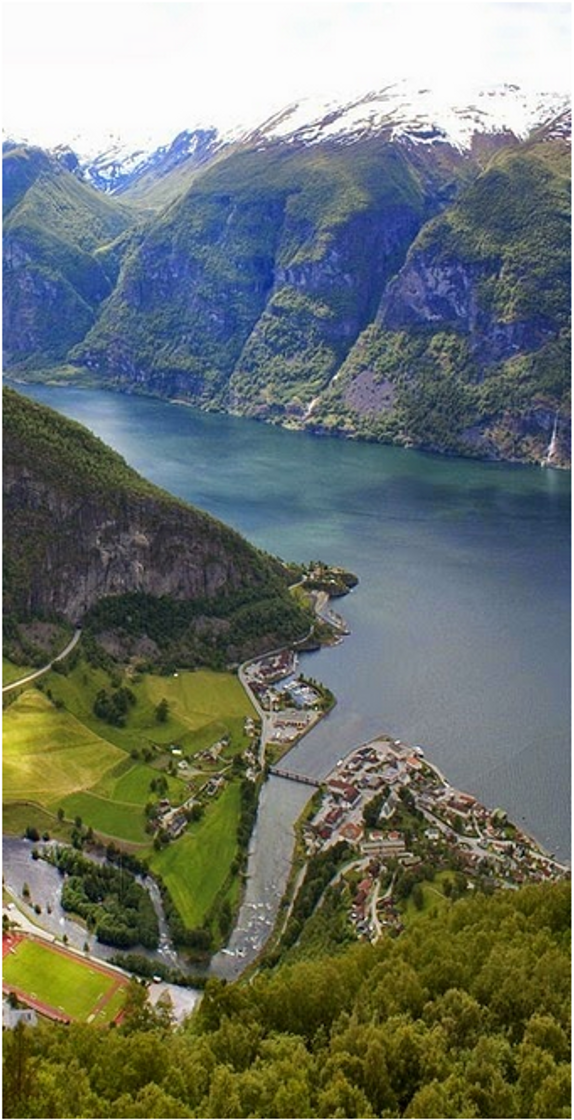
195, 868
68, 771
48, 753
114, 819
68, 984
58, 753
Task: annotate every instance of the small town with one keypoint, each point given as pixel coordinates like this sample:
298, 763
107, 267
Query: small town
399, 814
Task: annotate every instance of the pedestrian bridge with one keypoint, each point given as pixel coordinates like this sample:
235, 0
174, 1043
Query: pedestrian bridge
280, 773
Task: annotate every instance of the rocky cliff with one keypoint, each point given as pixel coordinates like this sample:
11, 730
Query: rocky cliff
81, 528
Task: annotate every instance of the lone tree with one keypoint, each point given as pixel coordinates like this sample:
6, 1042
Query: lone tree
162, 711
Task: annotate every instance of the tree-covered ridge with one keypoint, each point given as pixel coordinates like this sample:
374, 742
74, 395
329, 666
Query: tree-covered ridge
70, 456
465, 1015
84, 531
513, 224
55, 279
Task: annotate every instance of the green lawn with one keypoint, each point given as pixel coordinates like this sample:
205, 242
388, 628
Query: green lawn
49, 753
133, 785
66, 983
433, 898
114, 819
195, 868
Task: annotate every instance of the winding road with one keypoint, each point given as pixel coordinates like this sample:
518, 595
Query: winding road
45, 668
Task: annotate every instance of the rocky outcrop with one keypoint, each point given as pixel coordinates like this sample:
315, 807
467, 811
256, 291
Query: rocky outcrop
449, 295
88, 551
81, 529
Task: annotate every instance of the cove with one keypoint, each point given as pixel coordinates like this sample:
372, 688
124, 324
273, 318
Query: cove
460, 627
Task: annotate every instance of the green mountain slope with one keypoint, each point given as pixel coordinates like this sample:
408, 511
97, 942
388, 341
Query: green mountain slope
464, 1015
391, 290
57, 269
470, 350
88, 540
248, 292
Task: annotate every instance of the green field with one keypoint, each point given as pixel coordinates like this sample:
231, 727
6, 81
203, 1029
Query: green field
59, 756
117, 820
66, 983
12, 672
133, 784
19, 814
65, 756
195, 868
203, 706
49, 753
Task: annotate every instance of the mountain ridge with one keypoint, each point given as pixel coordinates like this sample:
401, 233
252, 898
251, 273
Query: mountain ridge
246, 281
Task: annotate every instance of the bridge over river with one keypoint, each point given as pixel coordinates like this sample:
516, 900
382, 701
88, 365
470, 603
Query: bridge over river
291, 777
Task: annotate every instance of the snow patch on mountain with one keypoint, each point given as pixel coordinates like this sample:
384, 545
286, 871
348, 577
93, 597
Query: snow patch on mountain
421, 115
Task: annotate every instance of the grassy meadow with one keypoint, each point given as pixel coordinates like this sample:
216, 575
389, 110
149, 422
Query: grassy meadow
12, 672
196, 867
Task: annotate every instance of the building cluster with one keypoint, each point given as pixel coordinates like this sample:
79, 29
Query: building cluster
384, 782
272, 679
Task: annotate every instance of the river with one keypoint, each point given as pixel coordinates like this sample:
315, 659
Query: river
460, 627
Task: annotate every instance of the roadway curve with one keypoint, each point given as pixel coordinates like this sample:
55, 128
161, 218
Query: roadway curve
45, 668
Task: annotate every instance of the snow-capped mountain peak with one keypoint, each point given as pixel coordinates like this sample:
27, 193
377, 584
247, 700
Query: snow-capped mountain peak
421, 115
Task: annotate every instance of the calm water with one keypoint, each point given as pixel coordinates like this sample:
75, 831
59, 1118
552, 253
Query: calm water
461, 624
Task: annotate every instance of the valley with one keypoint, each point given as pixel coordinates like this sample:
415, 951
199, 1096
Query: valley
208, 717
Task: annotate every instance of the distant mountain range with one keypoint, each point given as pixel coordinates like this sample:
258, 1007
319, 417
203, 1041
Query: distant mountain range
392, 268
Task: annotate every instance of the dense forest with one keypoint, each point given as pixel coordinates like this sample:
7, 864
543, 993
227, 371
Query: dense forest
466, 1014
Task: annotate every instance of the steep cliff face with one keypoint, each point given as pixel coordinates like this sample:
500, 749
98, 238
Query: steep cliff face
470, 349
317, 309
85, 550
80, 528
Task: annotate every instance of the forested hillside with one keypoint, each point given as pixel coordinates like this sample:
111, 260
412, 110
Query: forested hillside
61, 250
88, 540
466, 1014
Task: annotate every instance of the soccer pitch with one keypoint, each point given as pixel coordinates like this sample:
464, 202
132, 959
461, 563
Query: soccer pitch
58, 981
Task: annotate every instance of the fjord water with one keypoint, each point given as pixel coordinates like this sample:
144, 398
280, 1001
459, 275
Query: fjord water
460, 627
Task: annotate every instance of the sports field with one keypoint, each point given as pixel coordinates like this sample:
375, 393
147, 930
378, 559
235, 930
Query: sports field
58, 983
